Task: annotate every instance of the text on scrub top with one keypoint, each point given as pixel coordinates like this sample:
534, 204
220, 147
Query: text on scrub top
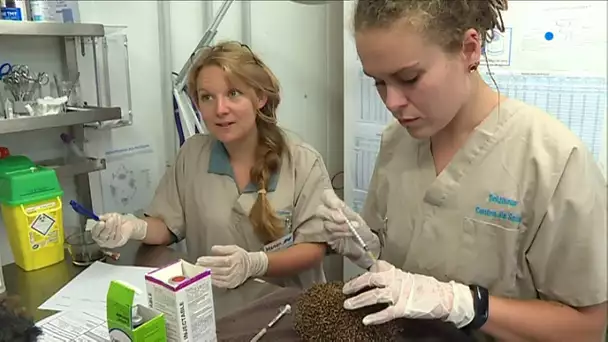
500, 214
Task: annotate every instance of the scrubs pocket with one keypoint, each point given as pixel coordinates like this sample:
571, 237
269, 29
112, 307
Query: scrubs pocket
488, 255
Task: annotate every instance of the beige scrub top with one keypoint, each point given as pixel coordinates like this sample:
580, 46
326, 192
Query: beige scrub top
521, 209
200, 202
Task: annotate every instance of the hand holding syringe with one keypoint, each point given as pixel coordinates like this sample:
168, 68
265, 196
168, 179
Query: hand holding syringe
358, 238
348, 234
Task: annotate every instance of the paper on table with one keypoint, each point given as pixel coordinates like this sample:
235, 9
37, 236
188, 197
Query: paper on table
73, 326
87, 291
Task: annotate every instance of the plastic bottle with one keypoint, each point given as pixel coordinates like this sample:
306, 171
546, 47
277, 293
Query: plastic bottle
43, 10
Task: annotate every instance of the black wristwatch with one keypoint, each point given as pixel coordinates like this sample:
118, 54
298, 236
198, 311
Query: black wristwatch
481, 304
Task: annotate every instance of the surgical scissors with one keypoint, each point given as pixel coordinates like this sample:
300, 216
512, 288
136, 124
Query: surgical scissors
22, 82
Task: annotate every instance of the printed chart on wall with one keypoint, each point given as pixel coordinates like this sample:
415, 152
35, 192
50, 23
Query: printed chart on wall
556, 62
129, 181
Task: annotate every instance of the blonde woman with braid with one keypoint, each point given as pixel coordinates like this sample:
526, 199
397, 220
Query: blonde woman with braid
244, 196
484, 211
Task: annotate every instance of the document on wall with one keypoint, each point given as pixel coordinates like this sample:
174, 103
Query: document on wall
74, 326
87, 291
557, 63
569, 36
130, 178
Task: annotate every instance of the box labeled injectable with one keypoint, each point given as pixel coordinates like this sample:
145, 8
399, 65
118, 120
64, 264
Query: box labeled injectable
183, 293
129, 323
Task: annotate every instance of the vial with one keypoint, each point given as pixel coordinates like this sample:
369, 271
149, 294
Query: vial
136, 318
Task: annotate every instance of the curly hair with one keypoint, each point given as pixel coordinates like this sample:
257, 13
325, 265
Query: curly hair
15, 325
443, 21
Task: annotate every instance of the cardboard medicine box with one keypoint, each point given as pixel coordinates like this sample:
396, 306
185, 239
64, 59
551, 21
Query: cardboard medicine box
183, 293
128, 323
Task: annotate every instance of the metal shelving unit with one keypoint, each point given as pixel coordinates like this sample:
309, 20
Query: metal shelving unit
76, 167
74, 116
72, 37
38, 29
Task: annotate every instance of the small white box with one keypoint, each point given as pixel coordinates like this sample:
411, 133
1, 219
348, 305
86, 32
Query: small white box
182, 291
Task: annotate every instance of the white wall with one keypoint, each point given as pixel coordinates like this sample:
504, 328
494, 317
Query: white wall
301, 44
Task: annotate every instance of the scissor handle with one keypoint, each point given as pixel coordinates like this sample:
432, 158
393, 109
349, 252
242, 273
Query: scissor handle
5, 69
43, 78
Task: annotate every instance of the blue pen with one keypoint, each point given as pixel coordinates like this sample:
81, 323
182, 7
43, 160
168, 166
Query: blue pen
82, 211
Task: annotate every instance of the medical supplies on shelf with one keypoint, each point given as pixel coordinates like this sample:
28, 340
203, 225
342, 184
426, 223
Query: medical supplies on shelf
40, 10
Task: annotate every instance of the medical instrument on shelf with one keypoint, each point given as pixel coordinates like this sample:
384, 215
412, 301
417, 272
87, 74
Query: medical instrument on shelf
22, 83
83, 211
282, 312
358, 237
66, 87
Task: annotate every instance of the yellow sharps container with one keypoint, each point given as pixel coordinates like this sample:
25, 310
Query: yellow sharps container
30, 200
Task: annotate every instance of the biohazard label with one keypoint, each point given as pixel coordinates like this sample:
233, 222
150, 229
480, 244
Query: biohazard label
42, 224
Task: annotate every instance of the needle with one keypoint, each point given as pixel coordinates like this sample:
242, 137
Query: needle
284, 310
358, 237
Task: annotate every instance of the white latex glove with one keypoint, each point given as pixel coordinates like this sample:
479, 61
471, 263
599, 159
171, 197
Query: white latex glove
231, 265
340, 238
114, 230
409, 296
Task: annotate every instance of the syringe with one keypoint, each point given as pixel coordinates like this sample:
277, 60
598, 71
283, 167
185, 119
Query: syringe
284, 310
358, 237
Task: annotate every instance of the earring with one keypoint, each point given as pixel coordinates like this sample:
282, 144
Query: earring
473, 66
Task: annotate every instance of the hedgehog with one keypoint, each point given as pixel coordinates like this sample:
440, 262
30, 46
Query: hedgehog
320, 316
15, 325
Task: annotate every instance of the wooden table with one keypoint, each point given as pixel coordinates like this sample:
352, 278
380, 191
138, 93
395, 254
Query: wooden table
35, 287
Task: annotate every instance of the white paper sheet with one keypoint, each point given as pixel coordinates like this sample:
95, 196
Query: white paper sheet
74, 326
87, 291
569, 36
129, 180
578, 102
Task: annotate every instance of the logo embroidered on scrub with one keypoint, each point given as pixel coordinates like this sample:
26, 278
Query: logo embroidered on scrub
501, 214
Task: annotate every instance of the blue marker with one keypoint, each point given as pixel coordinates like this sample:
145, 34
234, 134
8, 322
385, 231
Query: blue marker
82, 211
549, 36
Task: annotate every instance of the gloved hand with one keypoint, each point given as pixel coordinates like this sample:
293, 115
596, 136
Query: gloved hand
114, 230
231, 265
340, 238
409, 296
